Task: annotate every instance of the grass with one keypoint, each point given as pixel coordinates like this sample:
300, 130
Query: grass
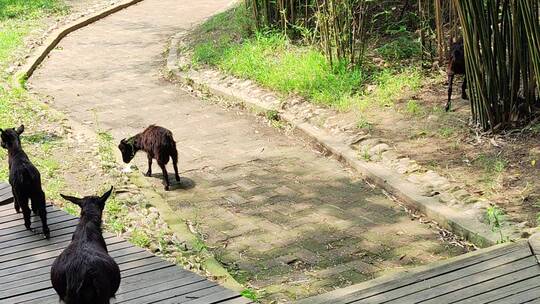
391, 85
227, 42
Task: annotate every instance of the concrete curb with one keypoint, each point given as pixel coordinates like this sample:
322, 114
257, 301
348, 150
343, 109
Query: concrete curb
56, 36
26, 71
462, 223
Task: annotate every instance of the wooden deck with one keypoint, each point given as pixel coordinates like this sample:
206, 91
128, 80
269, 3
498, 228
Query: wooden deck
508, 274
25, 264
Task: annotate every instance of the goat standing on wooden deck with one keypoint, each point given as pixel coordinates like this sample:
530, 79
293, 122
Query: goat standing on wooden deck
158, 143
25, 179
456, 66
84, 273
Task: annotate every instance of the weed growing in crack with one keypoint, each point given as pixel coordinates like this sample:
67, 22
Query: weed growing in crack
250, 294
365, 154
495, 218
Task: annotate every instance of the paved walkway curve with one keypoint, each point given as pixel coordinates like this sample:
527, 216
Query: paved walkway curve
276, 213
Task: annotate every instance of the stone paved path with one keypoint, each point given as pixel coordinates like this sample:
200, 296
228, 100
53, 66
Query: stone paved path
276, 213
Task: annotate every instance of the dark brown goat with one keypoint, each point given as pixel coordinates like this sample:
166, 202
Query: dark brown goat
84, 273
159, 144
456, 66
25, 179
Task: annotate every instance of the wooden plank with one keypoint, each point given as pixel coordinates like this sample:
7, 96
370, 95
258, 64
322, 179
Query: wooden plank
474, 288
46, 260
14, 232
28, 237
156, 276
146, 268
167, 291
411, 276
13, 216
217, 297
239, 300
31, 252
462, 283
420, 286
36, 244
509, 290
528, 296
193, 295
27, 258
43, 280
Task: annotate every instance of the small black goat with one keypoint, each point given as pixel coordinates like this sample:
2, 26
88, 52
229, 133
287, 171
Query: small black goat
456, 66
84, 273
158, 143
25, 179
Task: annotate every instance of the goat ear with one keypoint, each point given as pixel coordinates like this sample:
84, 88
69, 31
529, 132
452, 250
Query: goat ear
106, 195
20, 130
75, 200
124, 141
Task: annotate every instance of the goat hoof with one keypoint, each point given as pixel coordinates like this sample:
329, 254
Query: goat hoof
447, 108
148, 174
47, 234
167, 188
177, 178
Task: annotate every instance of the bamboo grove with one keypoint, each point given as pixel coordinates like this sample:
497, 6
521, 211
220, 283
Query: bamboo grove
502, 51
338, 25
501, 37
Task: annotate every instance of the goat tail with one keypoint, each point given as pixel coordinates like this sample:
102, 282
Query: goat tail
80, 289
37, 200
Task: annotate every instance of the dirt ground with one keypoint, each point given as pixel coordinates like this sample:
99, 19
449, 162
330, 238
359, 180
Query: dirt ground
502, 169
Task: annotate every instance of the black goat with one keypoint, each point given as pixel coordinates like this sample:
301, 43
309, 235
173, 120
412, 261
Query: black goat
84, 273
456, 66
25, 179
158, 143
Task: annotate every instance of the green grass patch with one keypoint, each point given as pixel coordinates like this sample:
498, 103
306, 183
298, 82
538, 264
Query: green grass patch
139, 238
274, 62
227, 42
30, 9
391, 86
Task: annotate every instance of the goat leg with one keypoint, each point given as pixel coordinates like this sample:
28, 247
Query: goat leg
26, 213
39, 206
450, 82
175, 165
464, 89
165, 177
43, 215
16, 204
149, 172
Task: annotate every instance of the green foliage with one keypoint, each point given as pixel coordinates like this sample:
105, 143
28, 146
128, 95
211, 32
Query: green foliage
414, 108
139, 238
399, 48
495, 218
273, 62
390, 86
272, 115
25, 9
250, 294
363, 124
